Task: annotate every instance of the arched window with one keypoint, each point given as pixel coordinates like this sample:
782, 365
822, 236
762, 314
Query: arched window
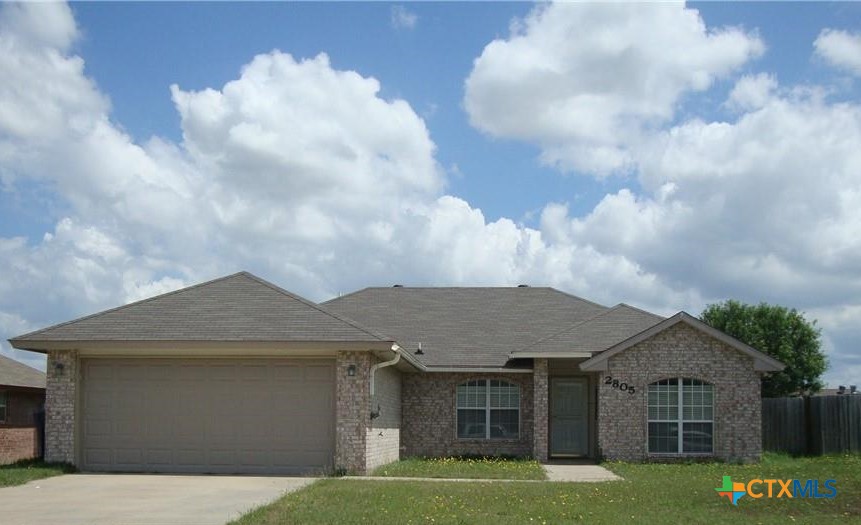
681, 417
488, 409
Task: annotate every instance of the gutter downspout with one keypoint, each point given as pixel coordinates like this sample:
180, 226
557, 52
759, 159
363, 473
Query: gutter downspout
397, 350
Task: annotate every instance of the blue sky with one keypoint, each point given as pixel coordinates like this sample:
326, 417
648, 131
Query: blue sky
664, 155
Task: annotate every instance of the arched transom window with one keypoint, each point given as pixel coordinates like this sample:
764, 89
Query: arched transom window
681, 417
488, 409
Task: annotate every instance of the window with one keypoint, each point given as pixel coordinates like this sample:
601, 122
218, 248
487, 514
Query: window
488, 409
2, 407
681, 403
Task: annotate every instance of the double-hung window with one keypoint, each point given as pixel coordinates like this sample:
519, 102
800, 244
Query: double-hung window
2, 406
681, 417
488, 409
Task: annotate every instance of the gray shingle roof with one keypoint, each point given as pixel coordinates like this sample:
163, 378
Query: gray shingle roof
239, 307
462, 327
13, 373
599, 333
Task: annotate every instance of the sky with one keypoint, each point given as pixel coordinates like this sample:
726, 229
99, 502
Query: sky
666, 155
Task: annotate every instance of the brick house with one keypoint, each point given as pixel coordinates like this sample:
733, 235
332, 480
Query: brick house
237, 375
22, 396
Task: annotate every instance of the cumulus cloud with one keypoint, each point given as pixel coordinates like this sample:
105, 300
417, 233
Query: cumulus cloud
402, 18
841, 49
763, 207
583, 81
752, 92
304, 174
294, 170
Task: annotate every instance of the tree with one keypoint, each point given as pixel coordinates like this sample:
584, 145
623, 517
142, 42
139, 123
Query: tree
780, 332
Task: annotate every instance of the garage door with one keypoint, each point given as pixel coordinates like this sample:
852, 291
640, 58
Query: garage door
257, 416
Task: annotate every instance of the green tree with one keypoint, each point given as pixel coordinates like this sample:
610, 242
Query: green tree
780, 332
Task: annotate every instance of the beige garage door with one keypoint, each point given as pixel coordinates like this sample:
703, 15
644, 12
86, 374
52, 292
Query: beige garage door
271, 416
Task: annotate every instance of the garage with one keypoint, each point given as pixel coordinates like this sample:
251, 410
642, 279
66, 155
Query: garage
214, 415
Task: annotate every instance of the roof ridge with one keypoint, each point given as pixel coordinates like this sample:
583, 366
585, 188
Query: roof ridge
129, 305
354, 292
579, 298
626, 305
569, 328
318, 307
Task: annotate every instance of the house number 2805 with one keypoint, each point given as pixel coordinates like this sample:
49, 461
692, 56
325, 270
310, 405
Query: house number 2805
615, 383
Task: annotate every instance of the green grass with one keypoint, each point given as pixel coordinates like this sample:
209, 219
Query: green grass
30, 469
463, 467
652, 493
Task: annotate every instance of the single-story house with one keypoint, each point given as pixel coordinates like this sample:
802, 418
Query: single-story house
237, 375
22, 396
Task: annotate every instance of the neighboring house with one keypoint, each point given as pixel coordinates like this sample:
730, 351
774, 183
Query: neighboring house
22, 396
238, 375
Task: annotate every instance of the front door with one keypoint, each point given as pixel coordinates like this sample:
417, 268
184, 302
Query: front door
569, 419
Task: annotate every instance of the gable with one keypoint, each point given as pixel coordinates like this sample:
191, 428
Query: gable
239, 307
761, 361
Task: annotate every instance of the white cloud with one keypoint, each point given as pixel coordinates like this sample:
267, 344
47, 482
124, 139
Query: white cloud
304, 174
752, 92
841, 49
584, 80
402, 18
293, 170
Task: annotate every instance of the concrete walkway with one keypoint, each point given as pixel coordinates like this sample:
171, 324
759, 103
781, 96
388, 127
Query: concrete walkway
578, 472
564, 472
150, 499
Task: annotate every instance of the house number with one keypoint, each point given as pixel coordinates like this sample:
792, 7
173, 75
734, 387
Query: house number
608, 380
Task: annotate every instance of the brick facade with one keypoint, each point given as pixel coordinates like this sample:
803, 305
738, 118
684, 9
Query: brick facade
383, 441
418, 415
429, 417
17, 443
541, 426
681, 351
60, 401
359, 445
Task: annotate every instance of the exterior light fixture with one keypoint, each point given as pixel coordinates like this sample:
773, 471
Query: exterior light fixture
58, 368
351, 370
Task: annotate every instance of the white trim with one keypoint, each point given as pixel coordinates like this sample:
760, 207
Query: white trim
680, 422
473, 370
487, 410
554, 355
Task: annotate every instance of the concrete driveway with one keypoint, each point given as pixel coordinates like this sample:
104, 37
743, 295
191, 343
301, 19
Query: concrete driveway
140, 499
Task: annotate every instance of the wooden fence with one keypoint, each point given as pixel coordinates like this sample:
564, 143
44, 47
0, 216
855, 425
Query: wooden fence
812, 425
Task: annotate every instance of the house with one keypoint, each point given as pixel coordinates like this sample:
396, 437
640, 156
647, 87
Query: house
22, 396
237, 375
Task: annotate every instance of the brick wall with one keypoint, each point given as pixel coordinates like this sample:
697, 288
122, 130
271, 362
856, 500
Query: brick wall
681, 351
17, 443
359, 447
542, 413
352, 411
429, 417
22, 406
383, 437
60, 406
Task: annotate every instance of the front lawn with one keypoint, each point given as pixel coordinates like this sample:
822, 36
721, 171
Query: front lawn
28, 470
472, 468
653, 493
